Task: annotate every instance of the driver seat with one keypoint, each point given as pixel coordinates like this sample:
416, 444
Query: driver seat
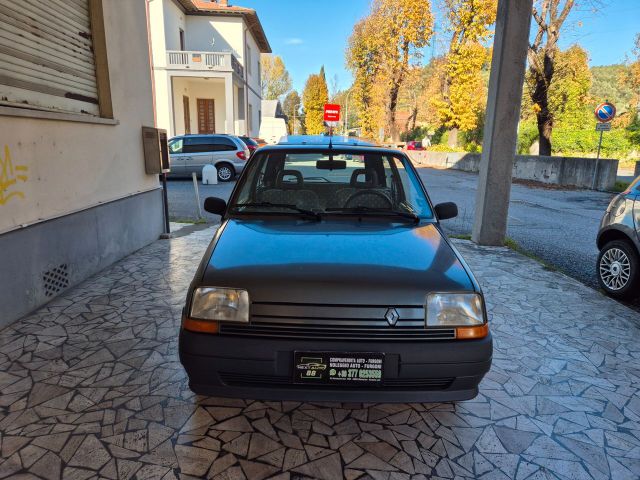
370, 182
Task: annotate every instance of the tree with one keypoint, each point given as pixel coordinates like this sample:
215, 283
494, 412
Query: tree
463, 94
363, 53
549, 16
291, 107
275, 77
380, 50
314, 97
632, 76
569, 98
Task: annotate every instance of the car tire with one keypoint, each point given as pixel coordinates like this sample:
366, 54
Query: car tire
618, 269
226, 172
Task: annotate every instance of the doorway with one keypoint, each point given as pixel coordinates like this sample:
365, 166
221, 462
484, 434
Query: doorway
206, 115
187, 114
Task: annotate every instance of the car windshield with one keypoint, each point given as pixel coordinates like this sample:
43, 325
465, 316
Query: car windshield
341, 183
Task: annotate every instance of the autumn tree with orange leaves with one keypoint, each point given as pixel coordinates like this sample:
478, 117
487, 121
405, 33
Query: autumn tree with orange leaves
380, 52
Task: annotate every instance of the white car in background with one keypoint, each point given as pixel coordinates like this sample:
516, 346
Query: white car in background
189, 154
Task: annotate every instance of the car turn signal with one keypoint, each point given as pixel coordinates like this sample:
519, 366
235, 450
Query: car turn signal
471, 333
200, 326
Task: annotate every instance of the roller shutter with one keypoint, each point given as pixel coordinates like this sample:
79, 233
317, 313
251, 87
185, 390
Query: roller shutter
46, 56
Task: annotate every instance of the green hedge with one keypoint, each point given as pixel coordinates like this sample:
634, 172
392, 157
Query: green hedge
614, 143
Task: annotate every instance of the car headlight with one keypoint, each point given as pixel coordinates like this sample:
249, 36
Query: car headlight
220, 304
454, 310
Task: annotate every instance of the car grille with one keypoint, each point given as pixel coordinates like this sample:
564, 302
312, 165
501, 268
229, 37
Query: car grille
338, 322
278, 381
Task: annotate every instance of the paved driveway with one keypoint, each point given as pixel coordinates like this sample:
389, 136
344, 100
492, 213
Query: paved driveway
90, 386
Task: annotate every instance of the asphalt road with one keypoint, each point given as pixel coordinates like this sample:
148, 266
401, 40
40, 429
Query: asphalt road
557, 226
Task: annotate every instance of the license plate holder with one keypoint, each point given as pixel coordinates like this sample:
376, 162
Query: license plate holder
338, 368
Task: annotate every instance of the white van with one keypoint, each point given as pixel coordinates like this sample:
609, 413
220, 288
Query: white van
273, 129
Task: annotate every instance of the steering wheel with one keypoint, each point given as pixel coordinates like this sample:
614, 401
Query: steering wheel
375, 193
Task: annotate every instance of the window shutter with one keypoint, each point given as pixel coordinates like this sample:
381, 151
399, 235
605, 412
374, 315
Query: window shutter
46, 54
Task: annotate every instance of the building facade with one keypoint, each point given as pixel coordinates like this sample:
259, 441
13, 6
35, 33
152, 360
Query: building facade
206, 64
75, 85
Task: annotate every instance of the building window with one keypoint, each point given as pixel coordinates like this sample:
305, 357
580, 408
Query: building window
250, 120
248, 59
182, 47
56, 66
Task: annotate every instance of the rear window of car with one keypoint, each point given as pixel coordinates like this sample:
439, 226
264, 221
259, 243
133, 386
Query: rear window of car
308, 180
208, 144
249, 141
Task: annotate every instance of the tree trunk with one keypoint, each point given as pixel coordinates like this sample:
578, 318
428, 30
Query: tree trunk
453, 138
545, 128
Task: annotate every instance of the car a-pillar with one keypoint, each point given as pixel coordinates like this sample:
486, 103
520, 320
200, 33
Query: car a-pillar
510, 45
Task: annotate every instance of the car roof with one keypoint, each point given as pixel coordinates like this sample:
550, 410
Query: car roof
321, 140
338, 148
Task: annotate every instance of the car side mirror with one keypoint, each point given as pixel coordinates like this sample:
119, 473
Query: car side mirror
215, 205
446, 210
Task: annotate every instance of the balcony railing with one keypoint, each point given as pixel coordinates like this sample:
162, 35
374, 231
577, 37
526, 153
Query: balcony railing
207, 61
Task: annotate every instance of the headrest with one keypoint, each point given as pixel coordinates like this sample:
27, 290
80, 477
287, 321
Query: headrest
370, 178
288, 183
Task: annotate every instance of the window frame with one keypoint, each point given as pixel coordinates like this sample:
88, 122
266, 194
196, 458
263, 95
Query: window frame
103, 82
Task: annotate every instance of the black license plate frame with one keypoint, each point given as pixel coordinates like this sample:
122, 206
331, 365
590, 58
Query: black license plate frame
338, 368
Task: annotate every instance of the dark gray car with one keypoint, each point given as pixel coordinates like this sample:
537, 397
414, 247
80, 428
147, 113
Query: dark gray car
330, 278
618, 266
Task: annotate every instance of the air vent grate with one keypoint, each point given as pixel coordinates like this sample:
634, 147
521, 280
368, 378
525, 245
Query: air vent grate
55, 280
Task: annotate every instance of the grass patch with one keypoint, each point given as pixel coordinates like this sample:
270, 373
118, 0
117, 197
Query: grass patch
194, 221
620, 186
460, 237
516, 247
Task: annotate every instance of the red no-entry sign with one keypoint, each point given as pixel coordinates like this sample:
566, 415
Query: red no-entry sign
331, 113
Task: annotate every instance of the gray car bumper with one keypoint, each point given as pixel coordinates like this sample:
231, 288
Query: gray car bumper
260, 368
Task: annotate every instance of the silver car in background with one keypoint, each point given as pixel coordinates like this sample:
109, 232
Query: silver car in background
618, 266
190, 153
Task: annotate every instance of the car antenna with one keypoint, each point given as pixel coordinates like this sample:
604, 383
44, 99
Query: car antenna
330, 138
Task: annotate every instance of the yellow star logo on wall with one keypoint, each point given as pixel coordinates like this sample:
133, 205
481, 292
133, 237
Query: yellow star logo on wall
10, 175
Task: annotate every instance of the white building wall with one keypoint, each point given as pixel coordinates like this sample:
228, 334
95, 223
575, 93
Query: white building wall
174, 20
74, 165
217, 34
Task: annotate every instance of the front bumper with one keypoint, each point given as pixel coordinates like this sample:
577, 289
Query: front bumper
262, 368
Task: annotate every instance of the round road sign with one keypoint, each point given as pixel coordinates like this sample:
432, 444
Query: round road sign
605, 112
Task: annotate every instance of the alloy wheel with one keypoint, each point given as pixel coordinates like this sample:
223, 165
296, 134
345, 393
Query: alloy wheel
224, 173
615, 269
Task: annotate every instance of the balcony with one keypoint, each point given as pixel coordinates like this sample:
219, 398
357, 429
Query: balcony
204, 61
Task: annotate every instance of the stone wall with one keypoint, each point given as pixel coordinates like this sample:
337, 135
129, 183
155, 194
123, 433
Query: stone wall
568, 171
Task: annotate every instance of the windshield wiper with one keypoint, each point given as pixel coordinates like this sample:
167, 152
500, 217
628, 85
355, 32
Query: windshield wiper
309, 213
375, 212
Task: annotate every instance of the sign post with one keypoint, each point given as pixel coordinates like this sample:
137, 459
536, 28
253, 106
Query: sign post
605, 112
332, 116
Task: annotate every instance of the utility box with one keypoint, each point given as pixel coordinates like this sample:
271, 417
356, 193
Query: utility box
156, 150
209, 175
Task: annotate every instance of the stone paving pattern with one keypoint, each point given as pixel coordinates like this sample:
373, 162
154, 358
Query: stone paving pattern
91, 387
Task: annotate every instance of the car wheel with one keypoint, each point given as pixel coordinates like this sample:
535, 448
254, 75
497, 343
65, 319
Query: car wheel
225, 172
618, 269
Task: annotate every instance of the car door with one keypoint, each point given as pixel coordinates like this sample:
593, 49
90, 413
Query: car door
224, 150
177, 156
200, 149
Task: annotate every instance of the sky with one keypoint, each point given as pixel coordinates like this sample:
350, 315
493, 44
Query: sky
310, 33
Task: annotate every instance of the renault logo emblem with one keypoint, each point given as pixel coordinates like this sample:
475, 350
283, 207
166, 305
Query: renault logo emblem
392, 316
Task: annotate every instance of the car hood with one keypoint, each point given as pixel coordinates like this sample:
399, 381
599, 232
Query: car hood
341, 262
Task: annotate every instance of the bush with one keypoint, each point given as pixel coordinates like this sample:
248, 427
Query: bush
615, 143
417, 133
527, 135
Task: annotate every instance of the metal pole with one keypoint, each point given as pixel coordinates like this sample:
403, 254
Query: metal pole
595, 169
165, 201
195, 187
